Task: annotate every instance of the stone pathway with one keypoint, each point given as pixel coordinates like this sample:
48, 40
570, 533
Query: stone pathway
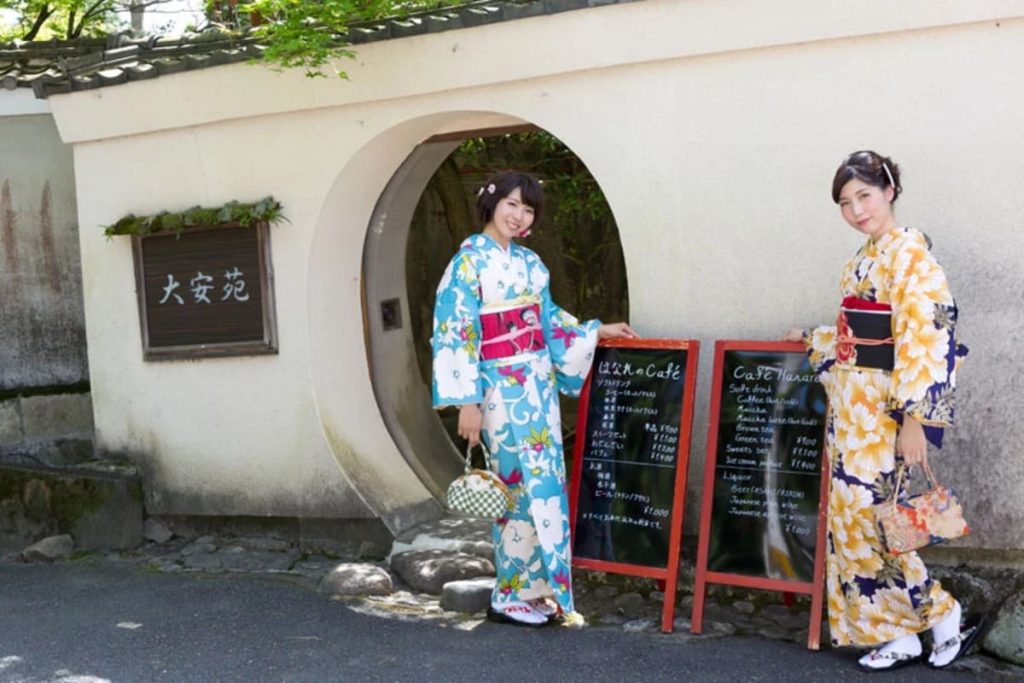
449, 564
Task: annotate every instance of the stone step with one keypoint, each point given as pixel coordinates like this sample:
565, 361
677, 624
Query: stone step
470, 535
427, 571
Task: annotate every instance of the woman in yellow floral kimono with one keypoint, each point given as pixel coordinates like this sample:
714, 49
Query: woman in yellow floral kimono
889, 366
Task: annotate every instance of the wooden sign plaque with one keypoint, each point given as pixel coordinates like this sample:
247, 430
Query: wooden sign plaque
205, 292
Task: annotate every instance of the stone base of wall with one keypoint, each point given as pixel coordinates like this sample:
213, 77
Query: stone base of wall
100, 506
54, 430
346, 538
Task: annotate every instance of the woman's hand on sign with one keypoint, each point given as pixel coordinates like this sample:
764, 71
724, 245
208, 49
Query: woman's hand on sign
911, 442
616, 331
793, 334
471, 421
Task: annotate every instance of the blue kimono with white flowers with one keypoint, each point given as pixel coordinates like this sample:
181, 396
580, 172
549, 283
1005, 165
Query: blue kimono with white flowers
517, 395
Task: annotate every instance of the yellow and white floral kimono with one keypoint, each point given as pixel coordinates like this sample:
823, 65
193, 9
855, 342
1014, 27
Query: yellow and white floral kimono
874, 597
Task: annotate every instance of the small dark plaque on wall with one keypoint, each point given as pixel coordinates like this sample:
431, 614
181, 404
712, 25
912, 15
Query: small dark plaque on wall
205, 292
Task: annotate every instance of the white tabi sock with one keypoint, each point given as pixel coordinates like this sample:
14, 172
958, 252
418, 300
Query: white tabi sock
881, 659
943, 631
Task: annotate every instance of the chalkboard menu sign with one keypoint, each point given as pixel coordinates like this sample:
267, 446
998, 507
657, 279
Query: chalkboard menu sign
205, 293
765, 475
631, 458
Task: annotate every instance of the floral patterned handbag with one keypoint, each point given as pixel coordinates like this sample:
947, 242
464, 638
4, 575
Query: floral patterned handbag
908, 523
479, 493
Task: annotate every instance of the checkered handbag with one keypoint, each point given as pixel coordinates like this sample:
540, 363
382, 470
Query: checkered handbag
908, 523
479, 493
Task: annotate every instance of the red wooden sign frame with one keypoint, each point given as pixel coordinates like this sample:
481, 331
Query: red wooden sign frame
670, 574
704, 577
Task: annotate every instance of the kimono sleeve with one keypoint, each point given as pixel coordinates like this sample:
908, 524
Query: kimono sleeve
570, 342
924, 334
821, 347
456, 338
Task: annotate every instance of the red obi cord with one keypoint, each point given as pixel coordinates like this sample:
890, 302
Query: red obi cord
855, 304
511, 332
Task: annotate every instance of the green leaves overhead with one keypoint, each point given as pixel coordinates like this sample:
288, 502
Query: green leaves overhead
267, 210
310, 35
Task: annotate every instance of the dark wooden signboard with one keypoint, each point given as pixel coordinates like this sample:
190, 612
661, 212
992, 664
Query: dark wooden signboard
628, 484
205, 293
765, 476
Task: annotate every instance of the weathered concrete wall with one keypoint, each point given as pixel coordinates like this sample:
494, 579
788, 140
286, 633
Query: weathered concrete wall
714, 129
46, 429
42, 328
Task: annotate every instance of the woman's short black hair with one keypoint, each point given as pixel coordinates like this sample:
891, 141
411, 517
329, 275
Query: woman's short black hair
501, 185
869, 167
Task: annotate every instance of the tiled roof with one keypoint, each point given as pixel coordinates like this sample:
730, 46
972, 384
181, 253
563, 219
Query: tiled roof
54, 67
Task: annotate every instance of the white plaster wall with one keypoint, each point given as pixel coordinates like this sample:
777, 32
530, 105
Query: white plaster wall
713, 128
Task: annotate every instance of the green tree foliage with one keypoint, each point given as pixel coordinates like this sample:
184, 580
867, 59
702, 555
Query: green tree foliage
64, 19
310, 34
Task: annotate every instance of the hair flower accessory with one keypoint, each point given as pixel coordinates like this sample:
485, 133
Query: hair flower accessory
491, 188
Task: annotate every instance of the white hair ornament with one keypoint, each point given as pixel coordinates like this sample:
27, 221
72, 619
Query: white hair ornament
888, 173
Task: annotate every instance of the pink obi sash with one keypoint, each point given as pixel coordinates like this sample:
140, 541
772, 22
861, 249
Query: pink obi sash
511, 332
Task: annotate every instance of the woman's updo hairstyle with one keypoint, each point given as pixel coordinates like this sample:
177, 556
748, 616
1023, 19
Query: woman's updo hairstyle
501, 185
869, 167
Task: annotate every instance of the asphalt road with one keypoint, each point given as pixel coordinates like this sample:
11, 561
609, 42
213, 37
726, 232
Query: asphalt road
95, 622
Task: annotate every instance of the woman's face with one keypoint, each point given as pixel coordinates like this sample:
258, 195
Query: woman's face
868, 209
512, 217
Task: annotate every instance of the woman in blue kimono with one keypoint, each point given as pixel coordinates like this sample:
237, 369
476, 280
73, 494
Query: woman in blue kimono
502, 350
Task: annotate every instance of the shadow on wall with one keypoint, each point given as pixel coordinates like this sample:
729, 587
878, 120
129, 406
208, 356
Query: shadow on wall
578, 239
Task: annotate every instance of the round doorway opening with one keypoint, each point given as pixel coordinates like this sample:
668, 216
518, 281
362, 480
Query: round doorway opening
433, 198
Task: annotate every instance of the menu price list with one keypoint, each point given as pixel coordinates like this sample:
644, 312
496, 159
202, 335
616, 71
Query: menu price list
768, 466
631, 447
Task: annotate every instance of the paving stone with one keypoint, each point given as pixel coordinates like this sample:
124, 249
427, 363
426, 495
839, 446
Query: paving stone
1006, 637
630, 605
49, 549
468, 595
605, 592
200, 546
202, 561
638, 625
266, 544
744, 607
429, 570
719, 628
974, 593
357, 578
156, 531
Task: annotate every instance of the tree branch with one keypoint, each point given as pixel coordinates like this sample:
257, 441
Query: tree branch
44, 13
93, 10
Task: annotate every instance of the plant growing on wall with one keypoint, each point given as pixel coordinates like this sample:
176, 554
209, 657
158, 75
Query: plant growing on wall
266, 210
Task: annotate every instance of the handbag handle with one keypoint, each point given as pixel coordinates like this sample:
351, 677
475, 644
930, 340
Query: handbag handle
899, 480
469, 456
